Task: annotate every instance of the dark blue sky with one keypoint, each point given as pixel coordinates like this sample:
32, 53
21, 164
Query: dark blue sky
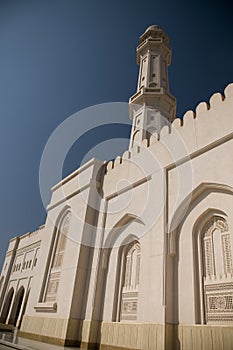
58, 57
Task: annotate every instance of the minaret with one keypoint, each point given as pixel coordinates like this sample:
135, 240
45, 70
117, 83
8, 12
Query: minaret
152, 106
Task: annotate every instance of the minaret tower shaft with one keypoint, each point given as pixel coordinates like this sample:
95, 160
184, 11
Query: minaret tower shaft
152, 106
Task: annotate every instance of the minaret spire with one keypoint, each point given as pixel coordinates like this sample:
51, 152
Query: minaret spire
152, 106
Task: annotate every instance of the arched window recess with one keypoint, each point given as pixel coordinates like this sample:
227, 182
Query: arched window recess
56, 257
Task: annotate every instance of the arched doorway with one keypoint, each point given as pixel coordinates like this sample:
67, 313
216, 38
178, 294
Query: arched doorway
7, 305
17, 306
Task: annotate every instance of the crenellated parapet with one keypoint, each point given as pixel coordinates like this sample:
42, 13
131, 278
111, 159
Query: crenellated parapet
196, 130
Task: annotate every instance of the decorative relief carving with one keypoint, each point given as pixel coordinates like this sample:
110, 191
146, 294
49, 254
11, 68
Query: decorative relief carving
227, 253
55, 275
208, 254
219, 287
217, 266
220, 302
220, 307
52, 290
212, 253
129, 310
53, 286
216, 223
129, 306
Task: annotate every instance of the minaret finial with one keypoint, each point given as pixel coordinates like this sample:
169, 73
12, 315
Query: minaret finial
154, 57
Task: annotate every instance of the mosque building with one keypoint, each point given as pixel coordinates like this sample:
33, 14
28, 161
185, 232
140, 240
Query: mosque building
136, 253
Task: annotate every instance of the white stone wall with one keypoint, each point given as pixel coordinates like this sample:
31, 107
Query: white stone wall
160, 198
18, 274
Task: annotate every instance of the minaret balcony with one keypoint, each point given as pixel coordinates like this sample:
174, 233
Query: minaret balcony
159, 99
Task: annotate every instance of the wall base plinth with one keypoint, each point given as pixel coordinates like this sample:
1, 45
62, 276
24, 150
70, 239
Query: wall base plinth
50, 340
95, 335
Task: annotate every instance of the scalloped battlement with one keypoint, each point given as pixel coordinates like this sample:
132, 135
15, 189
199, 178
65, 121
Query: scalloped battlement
209, 123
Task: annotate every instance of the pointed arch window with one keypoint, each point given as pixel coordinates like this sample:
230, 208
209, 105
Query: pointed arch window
57, 257
217, 271
131, 279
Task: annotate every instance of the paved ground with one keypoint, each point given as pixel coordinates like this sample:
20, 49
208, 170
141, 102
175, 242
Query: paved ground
10, 341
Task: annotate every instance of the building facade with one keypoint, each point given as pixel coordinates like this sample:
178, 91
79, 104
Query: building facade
136, 253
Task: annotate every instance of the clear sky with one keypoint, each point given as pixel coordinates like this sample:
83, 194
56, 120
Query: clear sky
60, 56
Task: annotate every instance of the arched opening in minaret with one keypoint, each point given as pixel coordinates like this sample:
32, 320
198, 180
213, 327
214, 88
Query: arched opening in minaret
150, 132
136, 139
